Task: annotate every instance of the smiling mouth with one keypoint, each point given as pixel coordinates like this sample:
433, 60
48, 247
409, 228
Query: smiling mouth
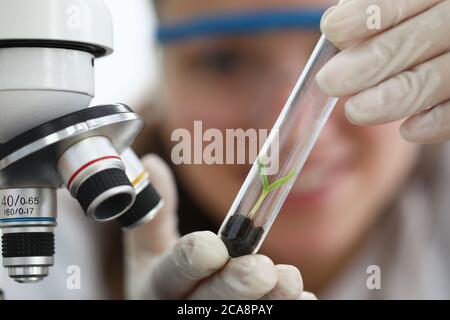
316, 185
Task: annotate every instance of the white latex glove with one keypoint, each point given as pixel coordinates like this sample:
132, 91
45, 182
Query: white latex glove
159, 265
399, 72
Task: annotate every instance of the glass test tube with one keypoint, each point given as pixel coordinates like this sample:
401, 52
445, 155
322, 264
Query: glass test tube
286, 149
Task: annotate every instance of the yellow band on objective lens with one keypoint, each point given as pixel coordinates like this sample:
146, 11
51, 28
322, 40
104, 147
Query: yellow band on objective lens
139, 178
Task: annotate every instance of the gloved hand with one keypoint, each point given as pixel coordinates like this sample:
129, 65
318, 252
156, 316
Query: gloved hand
159, 265
401, 71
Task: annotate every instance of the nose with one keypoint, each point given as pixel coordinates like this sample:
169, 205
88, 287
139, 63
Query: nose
274, 91
335, 137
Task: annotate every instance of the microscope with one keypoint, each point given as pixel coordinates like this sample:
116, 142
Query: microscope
50, 138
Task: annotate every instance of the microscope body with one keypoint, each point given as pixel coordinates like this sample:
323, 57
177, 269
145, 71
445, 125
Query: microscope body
49, 138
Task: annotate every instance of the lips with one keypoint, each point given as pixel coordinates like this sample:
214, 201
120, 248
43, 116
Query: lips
318, 182
312, 179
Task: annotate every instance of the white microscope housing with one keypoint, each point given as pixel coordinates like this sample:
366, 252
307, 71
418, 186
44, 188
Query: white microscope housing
47, 51
49, 138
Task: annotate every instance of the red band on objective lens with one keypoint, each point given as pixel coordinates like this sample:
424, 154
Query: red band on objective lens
88, 165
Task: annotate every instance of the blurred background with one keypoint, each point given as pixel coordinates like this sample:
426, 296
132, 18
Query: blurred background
130, 72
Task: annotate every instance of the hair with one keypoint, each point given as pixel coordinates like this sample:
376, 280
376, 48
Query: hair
156, 7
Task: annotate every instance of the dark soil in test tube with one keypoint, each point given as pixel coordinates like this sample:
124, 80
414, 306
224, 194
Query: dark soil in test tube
241, 236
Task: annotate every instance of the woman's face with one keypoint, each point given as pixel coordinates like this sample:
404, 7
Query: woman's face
243, 82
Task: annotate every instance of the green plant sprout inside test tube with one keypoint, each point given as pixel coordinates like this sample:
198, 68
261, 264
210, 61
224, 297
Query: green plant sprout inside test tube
293, 136
267, 188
